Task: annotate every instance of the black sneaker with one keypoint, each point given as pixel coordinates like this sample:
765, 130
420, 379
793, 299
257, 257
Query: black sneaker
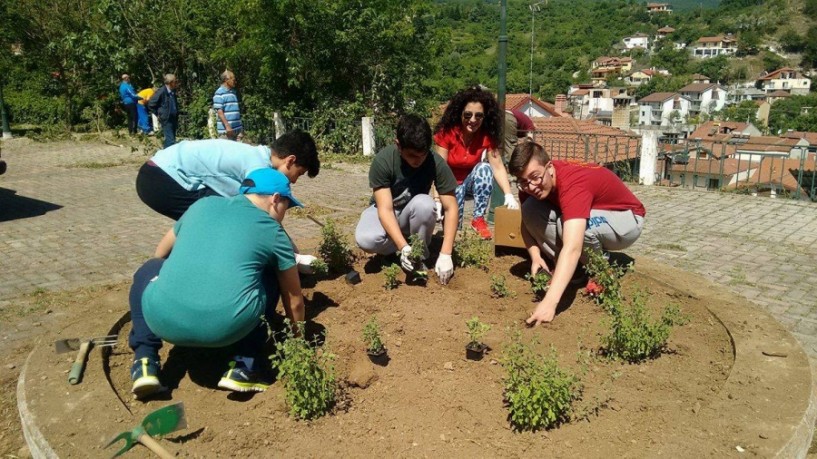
145, 376
240, 379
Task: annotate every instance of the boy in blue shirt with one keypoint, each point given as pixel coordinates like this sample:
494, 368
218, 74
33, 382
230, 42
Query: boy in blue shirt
215, 275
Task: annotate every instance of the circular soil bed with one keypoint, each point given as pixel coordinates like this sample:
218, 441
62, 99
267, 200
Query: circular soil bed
428, 400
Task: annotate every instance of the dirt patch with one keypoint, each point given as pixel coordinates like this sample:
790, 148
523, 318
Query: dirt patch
429, 400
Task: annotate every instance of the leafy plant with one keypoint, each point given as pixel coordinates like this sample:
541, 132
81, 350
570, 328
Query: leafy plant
499, 289
418, 250
308, 375
538, 393
606, 288
634, 336
319, 267
334, 249
539, 283
476, 330
390, 273
371, 336
472, 250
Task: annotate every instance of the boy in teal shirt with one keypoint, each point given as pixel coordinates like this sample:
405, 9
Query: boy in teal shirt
230, 262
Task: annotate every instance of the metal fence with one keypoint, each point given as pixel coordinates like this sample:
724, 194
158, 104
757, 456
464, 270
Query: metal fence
619, 153
733, 167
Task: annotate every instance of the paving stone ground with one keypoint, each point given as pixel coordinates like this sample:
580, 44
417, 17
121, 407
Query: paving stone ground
70, 217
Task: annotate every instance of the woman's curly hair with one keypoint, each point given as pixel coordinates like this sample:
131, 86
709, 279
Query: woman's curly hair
492, 123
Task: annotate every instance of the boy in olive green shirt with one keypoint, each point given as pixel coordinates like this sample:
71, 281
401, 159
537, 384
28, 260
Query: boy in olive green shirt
219, 270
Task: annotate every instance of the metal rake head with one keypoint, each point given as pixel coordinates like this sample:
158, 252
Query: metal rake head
130, 438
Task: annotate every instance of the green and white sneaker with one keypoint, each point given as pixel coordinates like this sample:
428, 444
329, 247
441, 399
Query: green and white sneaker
240, 379
145, 376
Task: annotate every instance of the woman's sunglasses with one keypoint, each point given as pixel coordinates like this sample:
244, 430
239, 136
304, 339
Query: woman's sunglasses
477, 116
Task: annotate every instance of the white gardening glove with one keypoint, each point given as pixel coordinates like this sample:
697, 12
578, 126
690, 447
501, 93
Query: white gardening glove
438, 208
510, 201
444, 268
405, 258
304, 263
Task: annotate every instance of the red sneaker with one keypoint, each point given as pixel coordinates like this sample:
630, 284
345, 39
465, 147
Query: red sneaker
481, 227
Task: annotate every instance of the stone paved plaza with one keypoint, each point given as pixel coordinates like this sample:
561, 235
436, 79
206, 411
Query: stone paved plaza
70, 217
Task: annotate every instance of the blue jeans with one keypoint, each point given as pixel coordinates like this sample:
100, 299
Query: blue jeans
145, 343
169, 128
479, 184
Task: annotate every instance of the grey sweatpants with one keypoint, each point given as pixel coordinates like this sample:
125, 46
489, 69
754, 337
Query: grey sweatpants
609, 230
417, 216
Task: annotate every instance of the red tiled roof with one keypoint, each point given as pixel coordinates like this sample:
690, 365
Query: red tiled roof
712, 166
711, 130
716, 39
658, 97
580, 92
776, 73
811, 137
666, 29
517, 100
779, 171
697, 87
698, 76
582, 140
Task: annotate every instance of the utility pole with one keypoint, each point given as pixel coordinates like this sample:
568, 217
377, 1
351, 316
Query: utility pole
534, 8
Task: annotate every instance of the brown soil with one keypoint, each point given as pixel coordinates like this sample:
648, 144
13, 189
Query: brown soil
428, 400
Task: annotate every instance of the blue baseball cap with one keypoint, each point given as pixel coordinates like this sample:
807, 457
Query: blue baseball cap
268, 181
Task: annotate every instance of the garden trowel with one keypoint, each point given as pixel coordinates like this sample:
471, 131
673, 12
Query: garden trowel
83, 346
158, 423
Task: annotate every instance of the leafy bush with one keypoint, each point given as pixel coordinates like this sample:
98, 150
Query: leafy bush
308, 375
390, 273
29, 106
634, 336
476, 330
539, 283
606, 278
418, 250
371, 336
319, 267
334, 249
499, 289
538, 393
472, 250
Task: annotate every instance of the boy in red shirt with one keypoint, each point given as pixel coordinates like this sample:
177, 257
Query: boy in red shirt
575, 205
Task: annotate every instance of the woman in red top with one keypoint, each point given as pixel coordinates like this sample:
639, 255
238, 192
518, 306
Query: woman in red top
468, 133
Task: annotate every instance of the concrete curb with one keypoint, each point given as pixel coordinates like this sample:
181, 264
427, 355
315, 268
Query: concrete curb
37, 444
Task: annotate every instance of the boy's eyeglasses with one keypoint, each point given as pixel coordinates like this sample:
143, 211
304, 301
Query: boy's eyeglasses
523, 184
477, 116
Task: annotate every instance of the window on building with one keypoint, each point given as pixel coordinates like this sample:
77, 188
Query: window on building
714, 184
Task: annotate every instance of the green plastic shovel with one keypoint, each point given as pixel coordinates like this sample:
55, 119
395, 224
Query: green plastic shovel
158, 423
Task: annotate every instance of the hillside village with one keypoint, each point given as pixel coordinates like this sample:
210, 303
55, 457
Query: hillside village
712, 134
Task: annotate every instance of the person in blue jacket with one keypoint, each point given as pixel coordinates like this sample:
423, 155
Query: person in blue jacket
129, 99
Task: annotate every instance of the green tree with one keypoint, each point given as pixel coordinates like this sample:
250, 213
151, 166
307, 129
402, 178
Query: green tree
792, 42
745, 111
772, 61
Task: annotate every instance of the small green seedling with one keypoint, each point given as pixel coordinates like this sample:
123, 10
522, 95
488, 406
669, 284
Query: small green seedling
334, 250
390, 273
539, 283
499, 289
371, 337
476, 330
319, 267
604, 284
307, 373
418, 250
538, 393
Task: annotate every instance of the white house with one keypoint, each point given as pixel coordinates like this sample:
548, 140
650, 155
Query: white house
785, 79
704, 97
659, 8
715, 46
639, 40
662, 109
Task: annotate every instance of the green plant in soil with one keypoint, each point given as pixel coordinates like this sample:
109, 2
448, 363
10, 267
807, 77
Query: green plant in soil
371, 336
390, 274
418, 250
333, 249
472, 250
476, 330
606, 277
499, 289
634, 336
539, 283
538, 393
307, 373
319, 267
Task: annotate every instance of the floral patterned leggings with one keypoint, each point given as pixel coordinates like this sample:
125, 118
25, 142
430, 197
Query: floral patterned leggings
479, 184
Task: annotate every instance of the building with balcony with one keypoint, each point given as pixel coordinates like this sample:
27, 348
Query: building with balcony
785, 79
663, 109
